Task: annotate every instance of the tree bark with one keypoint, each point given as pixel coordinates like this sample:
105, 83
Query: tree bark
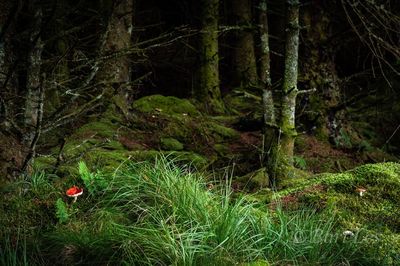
32, 97
116, 71
244, 54
270, 131
319, 72
208, 91
283, 151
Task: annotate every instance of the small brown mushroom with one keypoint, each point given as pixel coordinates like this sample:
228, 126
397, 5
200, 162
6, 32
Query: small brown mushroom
361, 191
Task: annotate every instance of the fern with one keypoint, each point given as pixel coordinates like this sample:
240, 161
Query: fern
93, 181
300, 162
85, 175
61, 211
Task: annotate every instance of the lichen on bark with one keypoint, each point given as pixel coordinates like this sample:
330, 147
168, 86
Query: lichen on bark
281, 163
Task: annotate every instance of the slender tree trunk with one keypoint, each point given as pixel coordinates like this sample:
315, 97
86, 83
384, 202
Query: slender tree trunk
32, 97
283, 151
244, 54
270, 131
208, 91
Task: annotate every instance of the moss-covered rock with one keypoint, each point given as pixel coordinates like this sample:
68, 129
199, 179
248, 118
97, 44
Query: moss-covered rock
375, 213
240, 101
255, 180
101, 129
179, 157
44, 163
166, 105
171, 144
221, 132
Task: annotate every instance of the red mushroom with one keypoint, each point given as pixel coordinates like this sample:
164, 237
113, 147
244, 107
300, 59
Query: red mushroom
74, 192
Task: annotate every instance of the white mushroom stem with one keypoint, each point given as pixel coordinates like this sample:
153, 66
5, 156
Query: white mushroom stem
75, 198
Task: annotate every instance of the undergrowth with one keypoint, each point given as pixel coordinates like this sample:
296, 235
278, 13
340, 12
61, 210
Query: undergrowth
162, 214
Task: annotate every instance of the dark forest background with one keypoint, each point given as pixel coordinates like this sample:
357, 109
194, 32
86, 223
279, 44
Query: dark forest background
64, 63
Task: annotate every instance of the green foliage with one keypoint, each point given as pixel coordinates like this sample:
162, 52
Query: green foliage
165, 104
94, 182
171, 144
300, 162
39, 184
103, 128
374, 214
61, 211
344, 139
13, 254
161, 214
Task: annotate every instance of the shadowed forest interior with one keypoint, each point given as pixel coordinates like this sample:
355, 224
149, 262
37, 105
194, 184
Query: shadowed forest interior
211, 132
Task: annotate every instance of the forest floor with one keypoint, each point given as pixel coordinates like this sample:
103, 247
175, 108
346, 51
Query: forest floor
201, 195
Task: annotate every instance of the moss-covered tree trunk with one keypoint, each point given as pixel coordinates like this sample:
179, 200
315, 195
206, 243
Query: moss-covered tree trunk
319, 72
282, 155
244, 55
115, 72
208, 91
269, 126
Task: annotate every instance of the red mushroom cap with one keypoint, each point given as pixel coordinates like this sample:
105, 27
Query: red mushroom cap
74, 191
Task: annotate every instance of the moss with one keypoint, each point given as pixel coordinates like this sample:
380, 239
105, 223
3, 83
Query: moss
373, 217
260, 197
165, 105
383, 247
113, 145
75, 147
121, 105
44, 163
301, 143
171, 144
222, 150
190, 158
240, 101
255, 180
180, 157
106, 160
376, 210
112, 114
103, 128
67, 170
256, 263
179, 129
220, 131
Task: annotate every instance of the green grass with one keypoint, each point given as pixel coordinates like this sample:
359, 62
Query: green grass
13, 252
162, 214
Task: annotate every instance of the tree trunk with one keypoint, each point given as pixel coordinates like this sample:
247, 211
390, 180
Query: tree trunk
208, 91
244, 55
116, 71
319, 71
32, 97
283, 151
270, 131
